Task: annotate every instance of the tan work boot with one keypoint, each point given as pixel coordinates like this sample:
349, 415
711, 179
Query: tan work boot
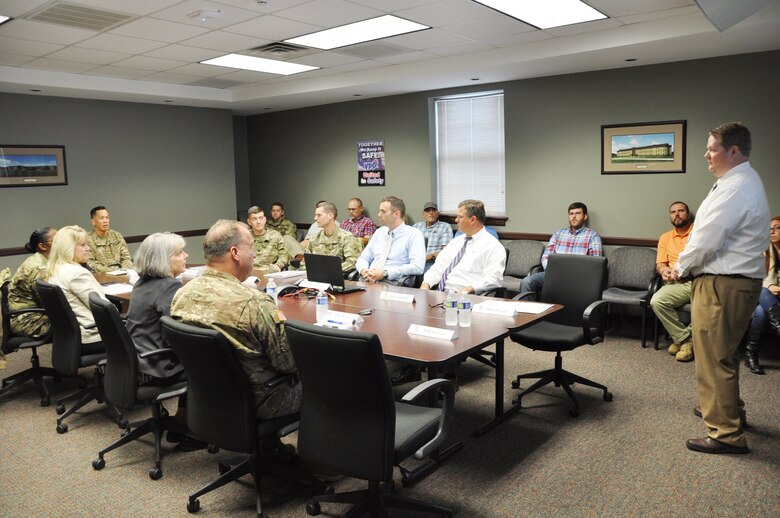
674, 349
686, 352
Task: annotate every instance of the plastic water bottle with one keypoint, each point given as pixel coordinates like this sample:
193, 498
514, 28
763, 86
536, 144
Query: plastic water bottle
322, 306
270, 289
464, 311
451, 308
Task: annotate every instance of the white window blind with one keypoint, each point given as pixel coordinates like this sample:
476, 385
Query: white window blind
470, 151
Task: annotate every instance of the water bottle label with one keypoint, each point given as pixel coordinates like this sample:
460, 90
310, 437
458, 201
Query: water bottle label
464, 304
450, 304
322, 301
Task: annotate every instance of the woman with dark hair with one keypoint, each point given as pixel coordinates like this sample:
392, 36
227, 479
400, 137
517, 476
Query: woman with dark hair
22, 293
765, 318
159, 260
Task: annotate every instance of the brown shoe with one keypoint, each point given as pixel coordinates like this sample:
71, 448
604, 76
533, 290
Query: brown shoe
742, 415
709, 445
685, 354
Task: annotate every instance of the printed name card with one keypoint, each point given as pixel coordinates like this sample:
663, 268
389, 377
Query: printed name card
397, 297
342, 318
491, 307
432, 332
322, 286
534, 308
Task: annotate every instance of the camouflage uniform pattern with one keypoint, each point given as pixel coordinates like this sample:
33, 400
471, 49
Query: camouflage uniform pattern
270, 249
284, 226
108, 253
252, 324
342, 244
22, 294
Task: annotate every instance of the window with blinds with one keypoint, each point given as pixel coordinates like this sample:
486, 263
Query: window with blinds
470, 151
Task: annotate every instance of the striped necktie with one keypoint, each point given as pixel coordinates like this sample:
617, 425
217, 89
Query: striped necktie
453, 264
380, 262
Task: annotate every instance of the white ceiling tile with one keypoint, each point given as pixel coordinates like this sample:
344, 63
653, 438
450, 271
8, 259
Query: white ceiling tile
16, 8
137, 7
464, 48
427, 39
147, 63
120, 72
407, 57
246, 76
198, 70
58, 65
655, 15
27, 47
183, 53
97, 57
329, 13
169, 77
394, 6
513, 40
46, 32
159, 30
489, 27
273, 28
616, 8
180, 13
266, 8
326, 59
225, 41
447, 12
117, 43
580, 28
13, 60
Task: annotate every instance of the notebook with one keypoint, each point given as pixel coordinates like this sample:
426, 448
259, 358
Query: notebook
327, 268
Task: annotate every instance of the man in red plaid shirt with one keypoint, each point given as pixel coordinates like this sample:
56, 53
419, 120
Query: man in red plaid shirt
361, 226
574, 239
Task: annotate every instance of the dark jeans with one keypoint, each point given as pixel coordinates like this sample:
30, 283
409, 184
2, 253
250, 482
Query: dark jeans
759, 323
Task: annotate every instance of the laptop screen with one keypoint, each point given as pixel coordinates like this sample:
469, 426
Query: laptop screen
324, 268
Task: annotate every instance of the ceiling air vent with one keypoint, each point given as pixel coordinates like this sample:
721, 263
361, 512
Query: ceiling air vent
280, 51
80, 17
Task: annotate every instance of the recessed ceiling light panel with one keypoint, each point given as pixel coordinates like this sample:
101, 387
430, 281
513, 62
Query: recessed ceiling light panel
546, 14
258, 64
358, 32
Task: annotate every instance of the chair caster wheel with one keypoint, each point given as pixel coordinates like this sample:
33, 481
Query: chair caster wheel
607, 396
60, 408
223, 468
124, 424
313, 508
155, 474
515, 385
212, 449
193, 506
125, 432
163, 412
45, 402
98, 464
574, 412
62, 428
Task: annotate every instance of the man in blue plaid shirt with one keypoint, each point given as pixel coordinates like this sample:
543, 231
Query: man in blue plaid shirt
438, 233
574, 239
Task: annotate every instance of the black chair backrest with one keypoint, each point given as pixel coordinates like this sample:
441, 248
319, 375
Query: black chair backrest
121, 380
576, 281
220, 401
347, 421
632, 267
522, 255
5, 347
66, 345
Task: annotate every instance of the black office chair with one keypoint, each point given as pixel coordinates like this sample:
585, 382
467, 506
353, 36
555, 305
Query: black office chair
221, 405
524, 257
67, 354
121, 383
631, 279
350, 423
12, 343
576, 282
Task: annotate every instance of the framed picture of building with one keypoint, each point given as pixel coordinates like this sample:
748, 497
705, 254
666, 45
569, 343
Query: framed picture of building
24, 166
647, 147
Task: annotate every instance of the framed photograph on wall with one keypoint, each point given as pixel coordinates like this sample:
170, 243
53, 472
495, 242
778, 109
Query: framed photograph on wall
646, 147
24, 166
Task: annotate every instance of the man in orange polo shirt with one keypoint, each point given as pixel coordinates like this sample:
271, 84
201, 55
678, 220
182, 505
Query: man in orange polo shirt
674, 294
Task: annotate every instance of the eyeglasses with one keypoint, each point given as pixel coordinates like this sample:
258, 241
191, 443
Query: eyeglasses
774, 229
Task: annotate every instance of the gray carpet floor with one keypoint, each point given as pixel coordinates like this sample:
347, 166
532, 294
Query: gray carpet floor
622, 458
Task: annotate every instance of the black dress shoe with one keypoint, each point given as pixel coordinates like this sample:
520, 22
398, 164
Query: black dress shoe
742, 415
407, 375
709, 445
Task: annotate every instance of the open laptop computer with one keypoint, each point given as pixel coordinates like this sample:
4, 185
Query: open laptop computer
327, 268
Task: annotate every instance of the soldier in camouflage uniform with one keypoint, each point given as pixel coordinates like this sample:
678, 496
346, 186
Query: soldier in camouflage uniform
107, 248
246, 316
332, 240
287, 229
22, 293
271, 254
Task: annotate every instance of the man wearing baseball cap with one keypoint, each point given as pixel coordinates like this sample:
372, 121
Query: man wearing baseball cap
437, 233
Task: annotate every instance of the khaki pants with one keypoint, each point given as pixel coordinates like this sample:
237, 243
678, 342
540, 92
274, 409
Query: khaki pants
721, 309
665, 303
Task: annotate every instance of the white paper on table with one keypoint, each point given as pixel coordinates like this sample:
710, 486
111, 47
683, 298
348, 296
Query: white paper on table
117, 289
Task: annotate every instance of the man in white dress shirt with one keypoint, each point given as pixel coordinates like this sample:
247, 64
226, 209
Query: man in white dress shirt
396, 251
474, 261
723, 255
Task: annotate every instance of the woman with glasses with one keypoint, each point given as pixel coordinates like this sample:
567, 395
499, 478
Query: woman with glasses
763, 316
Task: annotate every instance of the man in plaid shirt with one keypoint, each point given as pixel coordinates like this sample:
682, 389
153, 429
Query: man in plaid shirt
361, 226
574, 239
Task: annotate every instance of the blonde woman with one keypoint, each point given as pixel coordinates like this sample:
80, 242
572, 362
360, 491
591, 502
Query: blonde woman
69, 251
22, 293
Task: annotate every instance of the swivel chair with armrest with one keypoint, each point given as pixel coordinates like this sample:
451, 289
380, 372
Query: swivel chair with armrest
68, 356
13, 343
121, 384
351, 425
576, 282
524, 257
214, 377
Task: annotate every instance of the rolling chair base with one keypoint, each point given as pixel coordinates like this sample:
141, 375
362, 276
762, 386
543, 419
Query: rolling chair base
35, 373
374, 501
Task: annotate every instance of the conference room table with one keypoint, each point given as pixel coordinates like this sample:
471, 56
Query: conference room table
391, 321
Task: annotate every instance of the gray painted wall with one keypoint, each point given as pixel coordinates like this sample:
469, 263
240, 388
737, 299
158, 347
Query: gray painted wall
553, 142
155, 167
